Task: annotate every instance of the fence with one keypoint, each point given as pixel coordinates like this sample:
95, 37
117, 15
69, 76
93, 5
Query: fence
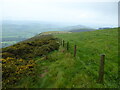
102, 60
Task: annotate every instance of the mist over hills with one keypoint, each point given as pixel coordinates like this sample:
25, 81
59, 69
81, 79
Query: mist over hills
78, 28
16, 31
32, 28
29, 28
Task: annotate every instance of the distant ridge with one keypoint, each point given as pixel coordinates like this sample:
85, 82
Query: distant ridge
78, 28
81, 30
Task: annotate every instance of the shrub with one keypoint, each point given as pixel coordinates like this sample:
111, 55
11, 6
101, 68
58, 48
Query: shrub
14, 69
32, 48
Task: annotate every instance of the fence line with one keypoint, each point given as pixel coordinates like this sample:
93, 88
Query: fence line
102, 60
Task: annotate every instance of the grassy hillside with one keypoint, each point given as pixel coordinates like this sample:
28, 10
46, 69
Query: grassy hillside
90, 45
60, 69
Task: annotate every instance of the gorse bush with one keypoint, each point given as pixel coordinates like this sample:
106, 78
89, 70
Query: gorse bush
16, 59
38, 46
14, 69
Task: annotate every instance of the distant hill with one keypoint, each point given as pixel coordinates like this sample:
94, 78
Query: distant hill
82, 30
29, 29
78, 28
16, 31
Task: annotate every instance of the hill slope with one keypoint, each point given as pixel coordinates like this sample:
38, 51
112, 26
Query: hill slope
62, 70
59, 69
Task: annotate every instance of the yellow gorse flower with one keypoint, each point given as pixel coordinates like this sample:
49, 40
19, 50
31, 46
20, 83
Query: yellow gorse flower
9, 58
21, 60
3, 60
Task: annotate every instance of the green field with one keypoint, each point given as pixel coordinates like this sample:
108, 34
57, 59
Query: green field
60, 69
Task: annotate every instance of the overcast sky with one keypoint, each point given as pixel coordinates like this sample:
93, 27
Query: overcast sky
94, 14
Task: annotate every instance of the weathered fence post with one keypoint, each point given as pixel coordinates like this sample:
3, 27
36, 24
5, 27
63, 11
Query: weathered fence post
101, 69
67, 45
63, 43
74, 50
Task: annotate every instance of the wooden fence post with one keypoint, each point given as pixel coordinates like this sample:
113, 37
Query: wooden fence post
67, 45
74, 50
101, 69
63, 43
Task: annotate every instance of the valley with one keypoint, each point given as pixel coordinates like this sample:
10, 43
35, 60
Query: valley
14, 32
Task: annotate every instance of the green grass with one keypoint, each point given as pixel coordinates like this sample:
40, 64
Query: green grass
62, 70
90, 45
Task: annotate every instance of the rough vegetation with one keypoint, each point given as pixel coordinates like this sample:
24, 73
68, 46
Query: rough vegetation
17, 60
37, 46
13, 70
60, 69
